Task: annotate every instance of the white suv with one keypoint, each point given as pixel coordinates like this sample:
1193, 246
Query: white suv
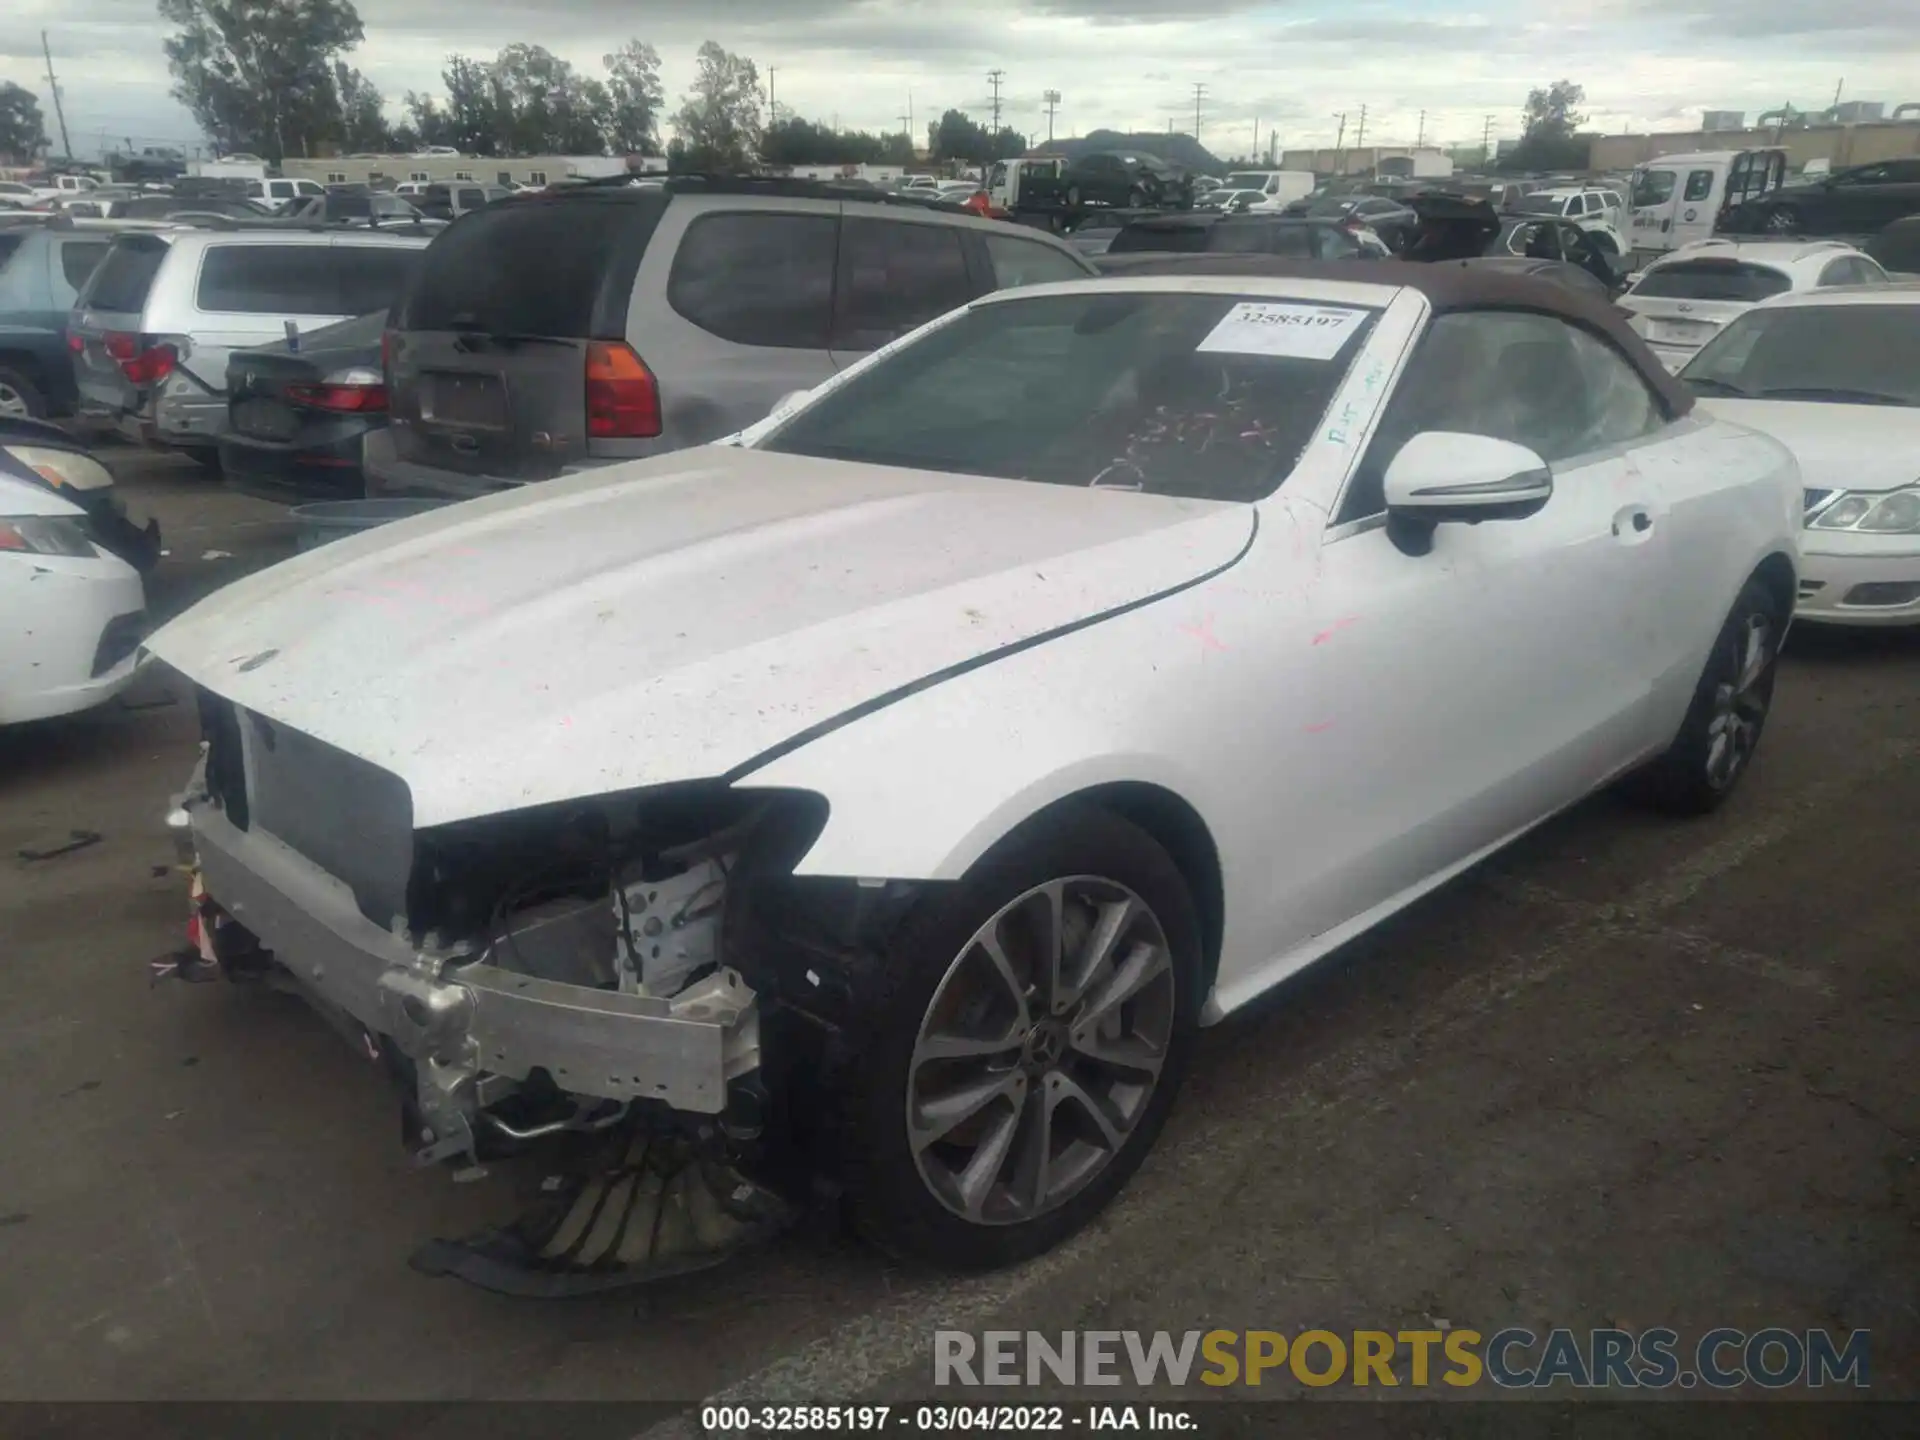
1681, 301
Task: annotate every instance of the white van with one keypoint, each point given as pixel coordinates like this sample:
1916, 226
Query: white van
1278, 187
1678, 199
1003, 181
273, 191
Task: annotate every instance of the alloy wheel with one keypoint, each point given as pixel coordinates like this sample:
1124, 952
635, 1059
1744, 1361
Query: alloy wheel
1740, 701
13, 405
1040, 1050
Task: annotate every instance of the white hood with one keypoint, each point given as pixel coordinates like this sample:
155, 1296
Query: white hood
668, 619
1839, 447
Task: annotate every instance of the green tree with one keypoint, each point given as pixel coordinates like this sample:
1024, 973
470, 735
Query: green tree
635, 98
470, 118
956, 136
258, 74
363, 121
1548, 126
718, 124
22, 130
546, 107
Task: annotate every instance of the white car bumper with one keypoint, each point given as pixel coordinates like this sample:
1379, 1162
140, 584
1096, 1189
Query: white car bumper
73, 636
1852, 579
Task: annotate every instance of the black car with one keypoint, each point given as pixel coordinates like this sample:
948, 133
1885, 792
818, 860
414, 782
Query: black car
296, 417
1897, 248
1857, 201
1213, 233
1455, 227
1124, 177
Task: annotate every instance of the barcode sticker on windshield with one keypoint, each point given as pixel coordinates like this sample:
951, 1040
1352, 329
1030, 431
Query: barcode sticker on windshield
1299, 332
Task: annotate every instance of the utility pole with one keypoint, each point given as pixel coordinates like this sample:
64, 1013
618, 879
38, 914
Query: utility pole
773, 110
994, 77
1421, 142
66, 145
1486, 143
1052, 97
1199, 94
1340, 146
1360, 141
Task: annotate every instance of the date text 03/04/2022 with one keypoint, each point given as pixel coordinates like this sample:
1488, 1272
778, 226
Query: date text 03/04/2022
942, 1419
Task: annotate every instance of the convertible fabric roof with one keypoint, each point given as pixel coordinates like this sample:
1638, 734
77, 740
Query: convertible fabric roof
1448, 285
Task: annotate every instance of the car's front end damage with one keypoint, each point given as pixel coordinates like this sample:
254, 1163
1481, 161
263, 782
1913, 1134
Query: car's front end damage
615, 981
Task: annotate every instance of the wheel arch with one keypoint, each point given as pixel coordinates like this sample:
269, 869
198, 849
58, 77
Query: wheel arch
1776, 572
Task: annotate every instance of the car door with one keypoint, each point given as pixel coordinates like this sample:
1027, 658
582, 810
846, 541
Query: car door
1896, 197
1470, 691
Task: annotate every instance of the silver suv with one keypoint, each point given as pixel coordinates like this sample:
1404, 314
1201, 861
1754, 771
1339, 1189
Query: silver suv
604, 322
152, 329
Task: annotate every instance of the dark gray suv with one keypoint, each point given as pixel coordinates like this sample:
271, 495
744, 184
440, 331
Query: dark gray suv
568, 329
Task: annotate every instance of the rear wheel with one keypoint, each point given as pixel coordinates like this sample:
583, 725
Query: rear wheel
1729, 710
20, 398
1038, 1021
1783, 220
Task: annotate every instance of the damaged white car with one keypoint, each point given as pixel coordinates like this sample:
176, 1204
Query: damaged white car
880, 804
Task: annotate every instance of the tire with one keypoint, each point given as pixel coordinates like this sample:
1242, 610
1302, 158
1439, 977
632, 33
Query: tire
1136, 198
1073, 196
205, 456
1692, 778
935, 982
1782, 220
20, 398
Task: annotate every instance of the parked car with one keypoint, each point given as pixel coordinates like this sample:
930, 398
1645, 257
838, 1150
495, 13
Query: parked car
1200, 232
1681, 302
351, 208
1834, 375
75, 614
1896, 249
1680, 199
1855, 201
1455, 227
1229, 200
42, 453
505, 361
158, 320
42, 268
1275, 187
1600, 213
1113, 177
985, 723
277, 192
297, 416
449, 202
173, 207
1392, 221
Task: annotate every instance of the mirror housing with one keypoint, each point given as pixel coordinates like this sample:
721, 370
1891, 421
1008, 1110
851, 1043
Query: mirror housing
1448, 477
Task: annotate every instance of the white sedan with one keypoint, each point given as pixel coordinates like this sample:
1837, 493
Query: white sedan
906, 783
1835, 377
71, 615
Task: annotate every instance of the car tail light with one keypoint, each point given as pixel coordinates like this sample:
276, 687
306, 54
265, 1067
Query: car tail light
351, 398
141, 360
75, 344
623, 398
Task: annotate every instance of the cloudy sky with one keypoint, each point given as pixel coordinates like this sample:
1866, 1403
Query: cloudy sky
1128, 64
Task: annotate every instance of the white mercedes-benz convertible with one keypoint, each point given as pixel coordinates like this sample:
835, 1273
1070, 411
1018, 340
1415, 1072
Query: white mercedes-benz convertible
888, 797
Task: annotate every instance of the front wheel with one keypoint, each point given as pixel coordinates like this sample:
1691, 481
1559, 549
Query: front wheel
1036, 1022
1729, 710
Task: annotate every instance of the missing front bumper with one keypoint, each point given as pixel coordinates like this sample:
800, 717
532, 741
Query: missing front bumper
466, 1025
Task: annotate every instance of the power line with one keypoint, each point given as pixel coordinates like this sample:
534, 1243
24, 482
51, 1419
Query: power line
994, 77
66, 145
1199, 93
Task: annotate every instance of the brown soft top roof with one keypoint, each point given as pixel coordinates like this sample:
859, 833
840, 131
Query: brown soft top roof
1448, 285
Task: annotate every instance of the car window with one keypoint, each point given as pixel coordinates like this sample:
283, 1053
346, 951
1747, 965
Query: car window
79, 258
268, 280
1653, 187
372, 277
529, 269
1534, 380
9, 242
1845, 353
473, 197
1699, 186
122, 281
1154, 235
757, 277
1735, 280
1176, 393
1262, 237
894, 276
1026, 262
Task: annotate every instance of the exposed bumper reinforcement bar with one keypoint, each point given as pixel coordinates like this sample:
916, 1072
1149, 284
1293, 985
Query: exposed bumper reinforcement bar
461, 1019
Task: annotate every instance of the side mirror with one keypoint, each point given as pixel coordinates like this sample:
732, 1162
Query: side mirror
1445, 477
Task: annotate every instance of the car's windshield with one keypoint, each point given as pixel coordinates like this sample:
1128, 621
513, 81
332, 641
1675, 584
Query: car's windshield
1713, 280
1653, 187
1203, 396
1841, 354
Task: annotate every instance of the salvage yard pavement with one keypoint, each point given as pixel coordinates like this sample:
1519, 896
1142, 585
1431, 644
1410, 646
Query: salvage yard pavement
1631, 1072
